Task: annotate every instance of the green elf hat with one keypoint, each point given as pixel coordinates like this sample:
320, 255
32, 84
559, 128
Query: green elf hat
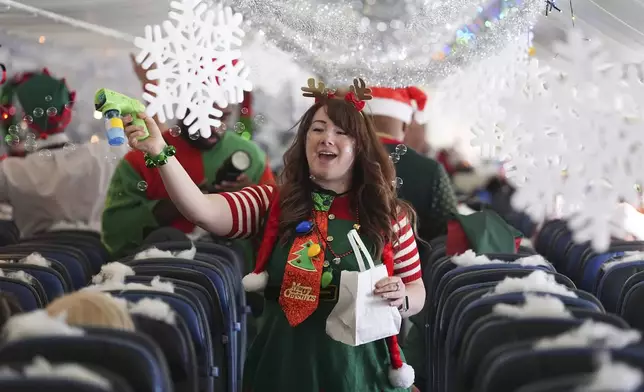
483, 232
46, 103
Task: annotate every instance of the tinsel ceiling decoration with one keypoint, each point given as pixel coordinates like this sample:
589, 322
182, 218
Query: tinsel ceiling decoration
389, 42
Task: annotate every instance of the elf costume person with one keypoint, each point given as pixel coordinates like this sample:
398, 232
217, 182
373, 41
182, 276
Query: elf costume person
137, 203
337, 178
424, 182
307, 277
50, 183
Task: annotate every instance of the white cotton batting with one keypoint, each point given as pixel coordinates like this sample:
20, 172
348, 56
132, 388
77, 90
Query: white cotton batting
36, 324
41, 367
534, 306
113, 285
114, 272
591, 333
155, 309
469, 258
153, 253
537, 281
613, 376
18, 275
35, 259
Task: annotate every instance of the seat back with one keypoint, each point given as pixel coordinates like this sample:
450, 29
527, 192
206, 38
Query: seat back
126, 357
52, 282
26, 293
178, 350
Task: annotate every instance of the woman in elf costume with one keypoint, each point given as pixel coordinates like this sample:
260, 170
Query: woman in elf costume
337, 177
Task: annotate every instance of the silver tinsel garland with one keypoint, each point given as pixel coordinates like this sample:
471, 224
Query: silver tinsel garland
387, 42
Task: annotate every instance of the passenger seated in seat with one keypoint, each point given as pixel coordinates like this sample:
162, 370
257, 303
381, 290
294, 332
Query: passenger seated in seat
423, 181
92, 309
50, 182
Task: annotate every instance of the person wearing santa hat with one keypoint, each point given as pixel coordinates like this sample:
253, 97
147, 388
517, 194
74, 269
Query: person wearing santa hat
50, 182
423, 181
337, 180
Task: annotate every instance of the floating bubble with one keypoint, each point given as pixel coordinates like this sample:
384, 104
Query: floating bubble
69, 147
142, 186
52, 111
13, 130
12, 140
244, 111
194, 136
38, 112
239, 127
259, 119
30, 145
44, 153
246, 135
31, 136
401, 149
69, 105
48, 98
394, 157
175, 131
398, 182
28, 119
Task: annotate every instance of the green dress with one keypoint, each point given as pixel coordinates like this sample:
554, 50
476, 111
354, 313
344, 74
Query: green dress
304, 358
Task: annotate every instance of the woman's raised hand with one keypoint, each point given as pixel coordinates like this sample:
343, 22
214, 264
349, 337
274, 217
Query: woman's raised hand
153, 144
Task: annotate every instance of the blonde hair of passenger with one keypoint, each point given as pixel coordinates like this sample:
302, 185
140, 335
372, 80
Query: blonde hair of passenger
92, 309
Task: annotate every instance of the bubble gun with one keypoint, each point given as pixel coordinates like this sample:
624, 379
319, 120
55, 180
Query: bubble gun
114, 106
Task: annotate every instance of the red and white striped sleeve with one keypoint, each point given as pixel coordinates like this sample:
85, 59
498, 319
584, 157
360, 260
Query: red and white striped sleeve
248, 207
406, 259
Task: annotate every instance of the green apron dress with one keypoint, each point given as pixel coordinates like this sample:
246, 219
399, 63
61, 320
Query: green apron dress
304, 358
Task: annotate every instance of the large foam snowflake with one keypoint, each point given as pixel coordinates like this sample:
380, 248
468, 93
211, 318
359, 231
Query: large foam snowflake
193, 60
583, 140
472, 98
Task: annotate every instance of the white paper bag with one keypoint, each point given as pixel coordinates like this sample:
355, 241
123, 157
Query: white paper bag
360, 316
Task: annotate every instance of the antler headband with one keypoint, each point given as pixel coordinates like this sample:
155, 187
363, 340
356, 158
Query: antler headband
357, 95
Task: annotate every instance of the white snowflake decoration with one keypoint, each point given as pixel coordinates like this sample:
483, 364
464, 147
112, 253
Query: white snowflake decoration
471, 100
583, 139
196, 64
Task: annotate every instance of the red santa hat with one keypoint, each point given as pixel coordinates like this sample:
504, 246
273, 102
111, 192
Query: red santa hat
401, 375
400, 103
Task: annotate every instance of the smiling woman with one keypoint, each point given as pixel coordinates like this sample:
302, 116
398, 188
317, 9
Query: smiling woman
337, 179
329, 151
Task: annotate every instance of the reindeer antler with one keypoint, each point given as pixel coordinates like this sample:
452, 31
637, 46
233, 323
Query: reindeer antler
316, 92
361, 90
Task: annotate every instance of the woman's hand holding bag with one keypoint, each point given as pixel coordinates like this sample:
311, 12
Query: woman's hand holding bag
360, 316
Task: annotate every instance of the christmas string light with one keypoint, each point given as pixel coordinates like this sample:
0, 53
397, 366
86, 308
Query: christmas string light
394, 44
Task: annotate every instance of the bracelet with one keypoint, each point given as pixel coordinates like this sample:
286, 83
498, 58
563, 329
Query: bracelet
161, 159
